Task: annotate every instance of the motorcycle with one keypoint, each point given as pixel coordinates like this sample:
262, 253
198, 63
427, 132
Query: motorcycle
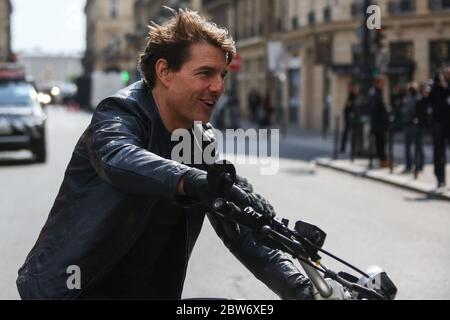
304, 243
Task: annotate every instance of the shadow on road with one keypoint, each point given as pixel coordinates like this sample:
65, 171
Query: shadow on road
432, 196
300, 171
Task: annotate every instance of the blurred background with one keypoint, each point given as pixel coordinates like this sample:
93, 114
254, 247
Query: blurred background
309, 68
296, 56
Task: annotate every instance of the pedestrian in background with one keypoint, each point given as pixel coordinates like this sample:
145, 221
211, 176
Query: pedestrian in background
268, 111
359, 121
348, 115
397, 98
379, 120
422, 124
254, 103
410, 123
439, 100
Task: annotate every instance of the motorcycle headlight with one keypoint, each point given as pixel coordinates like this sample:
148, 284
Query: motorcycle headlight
380, 282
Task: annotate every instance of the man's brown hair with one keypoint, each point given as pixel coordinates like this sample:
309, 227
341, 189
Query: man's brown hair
171, 41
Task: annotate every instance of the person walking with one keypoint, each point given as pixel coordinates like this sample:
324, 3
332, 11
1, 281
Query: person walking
379, 121
410, 124
439, 100
349, 115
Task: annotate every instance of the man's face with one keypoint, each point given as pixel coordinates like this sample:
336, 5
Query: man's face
193, 91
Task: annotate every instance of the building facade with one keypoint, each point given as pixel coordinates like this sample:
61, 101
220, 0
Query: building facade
108, 24
5, 30
47, 69
303, 53
146, 12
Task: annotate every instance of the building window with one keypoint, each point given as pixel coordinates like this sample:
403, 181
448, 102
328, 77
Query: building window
327, 14
358, 9
399, 7
114, 45
281, 15
114, 8
436, 5
324, 49
279, 26
295, 24
311, 18
401, 51
260, 29
439, 54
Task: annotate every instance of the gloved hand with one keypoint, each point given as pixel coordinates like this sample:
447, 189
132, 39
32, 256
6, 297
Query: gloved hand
257, 202
196, 187
299, 288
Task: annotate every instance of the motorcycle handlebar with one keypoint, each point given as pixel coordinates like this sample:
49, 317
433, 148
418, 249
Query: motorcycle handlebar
236, 205
240, 198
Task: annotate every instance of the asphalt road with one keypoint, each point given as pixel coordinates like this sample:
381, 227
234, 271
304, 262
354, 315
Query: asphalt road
366, 222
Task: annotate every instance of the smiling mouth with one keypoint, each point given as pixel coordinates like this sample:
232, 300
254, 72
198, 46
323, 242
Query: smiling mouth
208, 103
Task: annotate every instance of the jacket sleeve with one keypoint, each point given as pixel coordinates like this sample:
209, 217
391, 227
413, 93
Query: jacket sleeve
272, 267
115, 142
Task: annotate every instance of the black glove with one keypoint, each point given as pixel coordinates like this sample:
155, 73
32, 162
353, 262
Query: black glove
196, 186
299, 288
257, 202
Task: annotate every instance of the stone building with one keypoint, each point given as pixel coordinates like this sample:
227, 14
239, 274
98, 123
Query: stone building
108, 24
146, 11
5, 30
305, 52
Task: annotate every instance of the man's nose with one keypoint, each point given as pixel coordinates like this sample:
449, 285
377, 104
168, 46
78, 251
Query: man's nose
217, 85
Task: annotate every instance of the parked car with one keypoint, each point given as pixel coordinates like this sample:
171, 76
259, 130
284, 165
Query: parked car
22, 119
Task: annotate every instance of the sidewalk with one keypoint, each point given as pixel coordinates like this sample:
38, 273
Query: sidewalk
308, 145
425, 183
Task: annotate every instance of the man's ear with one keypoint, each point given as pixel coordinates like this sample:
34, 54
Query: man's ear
163, 73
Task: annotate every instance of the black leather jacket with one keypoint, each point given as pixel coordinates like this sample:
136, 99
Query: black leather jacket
116, 217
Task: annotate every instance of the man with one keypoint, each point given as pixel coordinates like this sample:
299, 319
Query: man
349, 115
254, 103
411, 128
439, 100
121, 216
379, 121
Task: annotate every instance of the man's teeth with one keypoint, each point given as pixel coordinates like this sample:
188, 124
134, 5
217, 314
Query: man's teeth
209, 103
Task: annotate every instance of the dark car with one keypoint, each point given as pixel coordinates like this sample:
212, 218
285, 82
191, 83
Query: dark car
22, 119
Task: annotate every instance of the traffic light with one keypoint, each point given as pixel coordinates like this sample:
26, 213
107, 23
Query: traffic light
125, 75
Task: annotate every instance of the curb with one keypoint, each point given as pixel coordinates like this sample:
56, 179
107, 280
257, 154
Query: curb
384, 177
